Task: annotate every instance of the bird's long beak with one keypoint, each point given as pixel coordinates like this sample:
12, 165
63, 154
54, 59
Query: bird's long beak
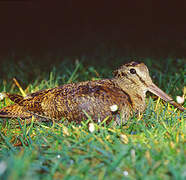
158, 92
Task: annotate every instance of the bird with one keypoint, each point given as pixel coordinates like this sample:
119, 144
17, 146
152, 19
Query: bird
117, 98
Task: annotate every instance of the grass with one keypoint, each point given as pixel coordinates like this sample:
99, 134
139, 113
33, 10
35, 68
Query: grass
152, 147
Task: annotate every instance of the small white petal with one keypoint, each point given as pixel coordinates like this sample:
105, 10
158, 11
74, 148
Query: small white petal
180, 99
2, 96
58, 156
91, 127
125, 173
114, 107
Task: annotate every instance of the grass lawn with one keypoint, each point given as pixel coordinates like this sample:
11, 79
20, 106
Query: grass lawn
152, 147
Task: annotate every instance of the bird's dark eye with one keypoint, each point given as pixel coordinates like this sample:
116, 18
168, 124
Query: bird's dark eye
132, 71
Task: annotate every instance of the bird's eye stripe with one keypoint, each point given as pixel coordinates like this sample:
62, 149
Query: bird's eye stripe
141, 79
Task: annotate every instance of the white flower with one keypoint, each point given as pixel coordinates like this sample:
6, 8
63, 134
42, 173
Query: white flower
91, 127
2, 96
114, 107
125, 173
180, 99
58, 156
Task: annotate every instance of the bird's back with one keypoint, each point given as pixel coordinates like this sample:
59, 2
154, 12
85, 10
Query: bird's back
73, 102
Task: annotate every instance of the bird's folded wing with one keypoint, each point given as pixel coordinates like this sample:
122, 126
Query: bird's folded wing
71, 99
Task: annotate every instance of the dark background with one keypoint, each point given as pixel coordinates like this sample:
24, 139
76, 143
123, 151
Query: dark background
79, 27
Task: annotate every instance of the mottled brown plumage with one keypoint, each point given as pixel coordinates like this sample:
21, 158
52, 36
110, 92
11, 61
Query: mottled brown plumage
127, 90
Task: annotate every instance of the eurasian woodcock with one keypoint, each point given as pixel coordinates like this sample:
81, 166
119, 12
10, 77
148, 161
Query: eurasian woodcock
118, 98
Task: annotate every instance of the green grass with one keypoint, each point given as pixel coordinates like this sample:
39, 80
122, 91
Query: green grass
152, 147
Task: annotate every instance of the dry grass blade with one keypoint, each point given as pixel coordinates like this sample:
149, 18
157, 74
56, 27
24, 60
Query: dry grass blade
20, 88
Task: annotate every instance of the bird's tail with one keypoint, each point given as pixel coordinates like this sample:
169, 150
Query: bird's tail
14, 111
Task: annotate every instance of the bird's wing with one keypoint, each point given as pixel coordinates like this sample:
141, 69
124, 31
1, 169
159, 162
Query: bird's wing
96, 101
73, 100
